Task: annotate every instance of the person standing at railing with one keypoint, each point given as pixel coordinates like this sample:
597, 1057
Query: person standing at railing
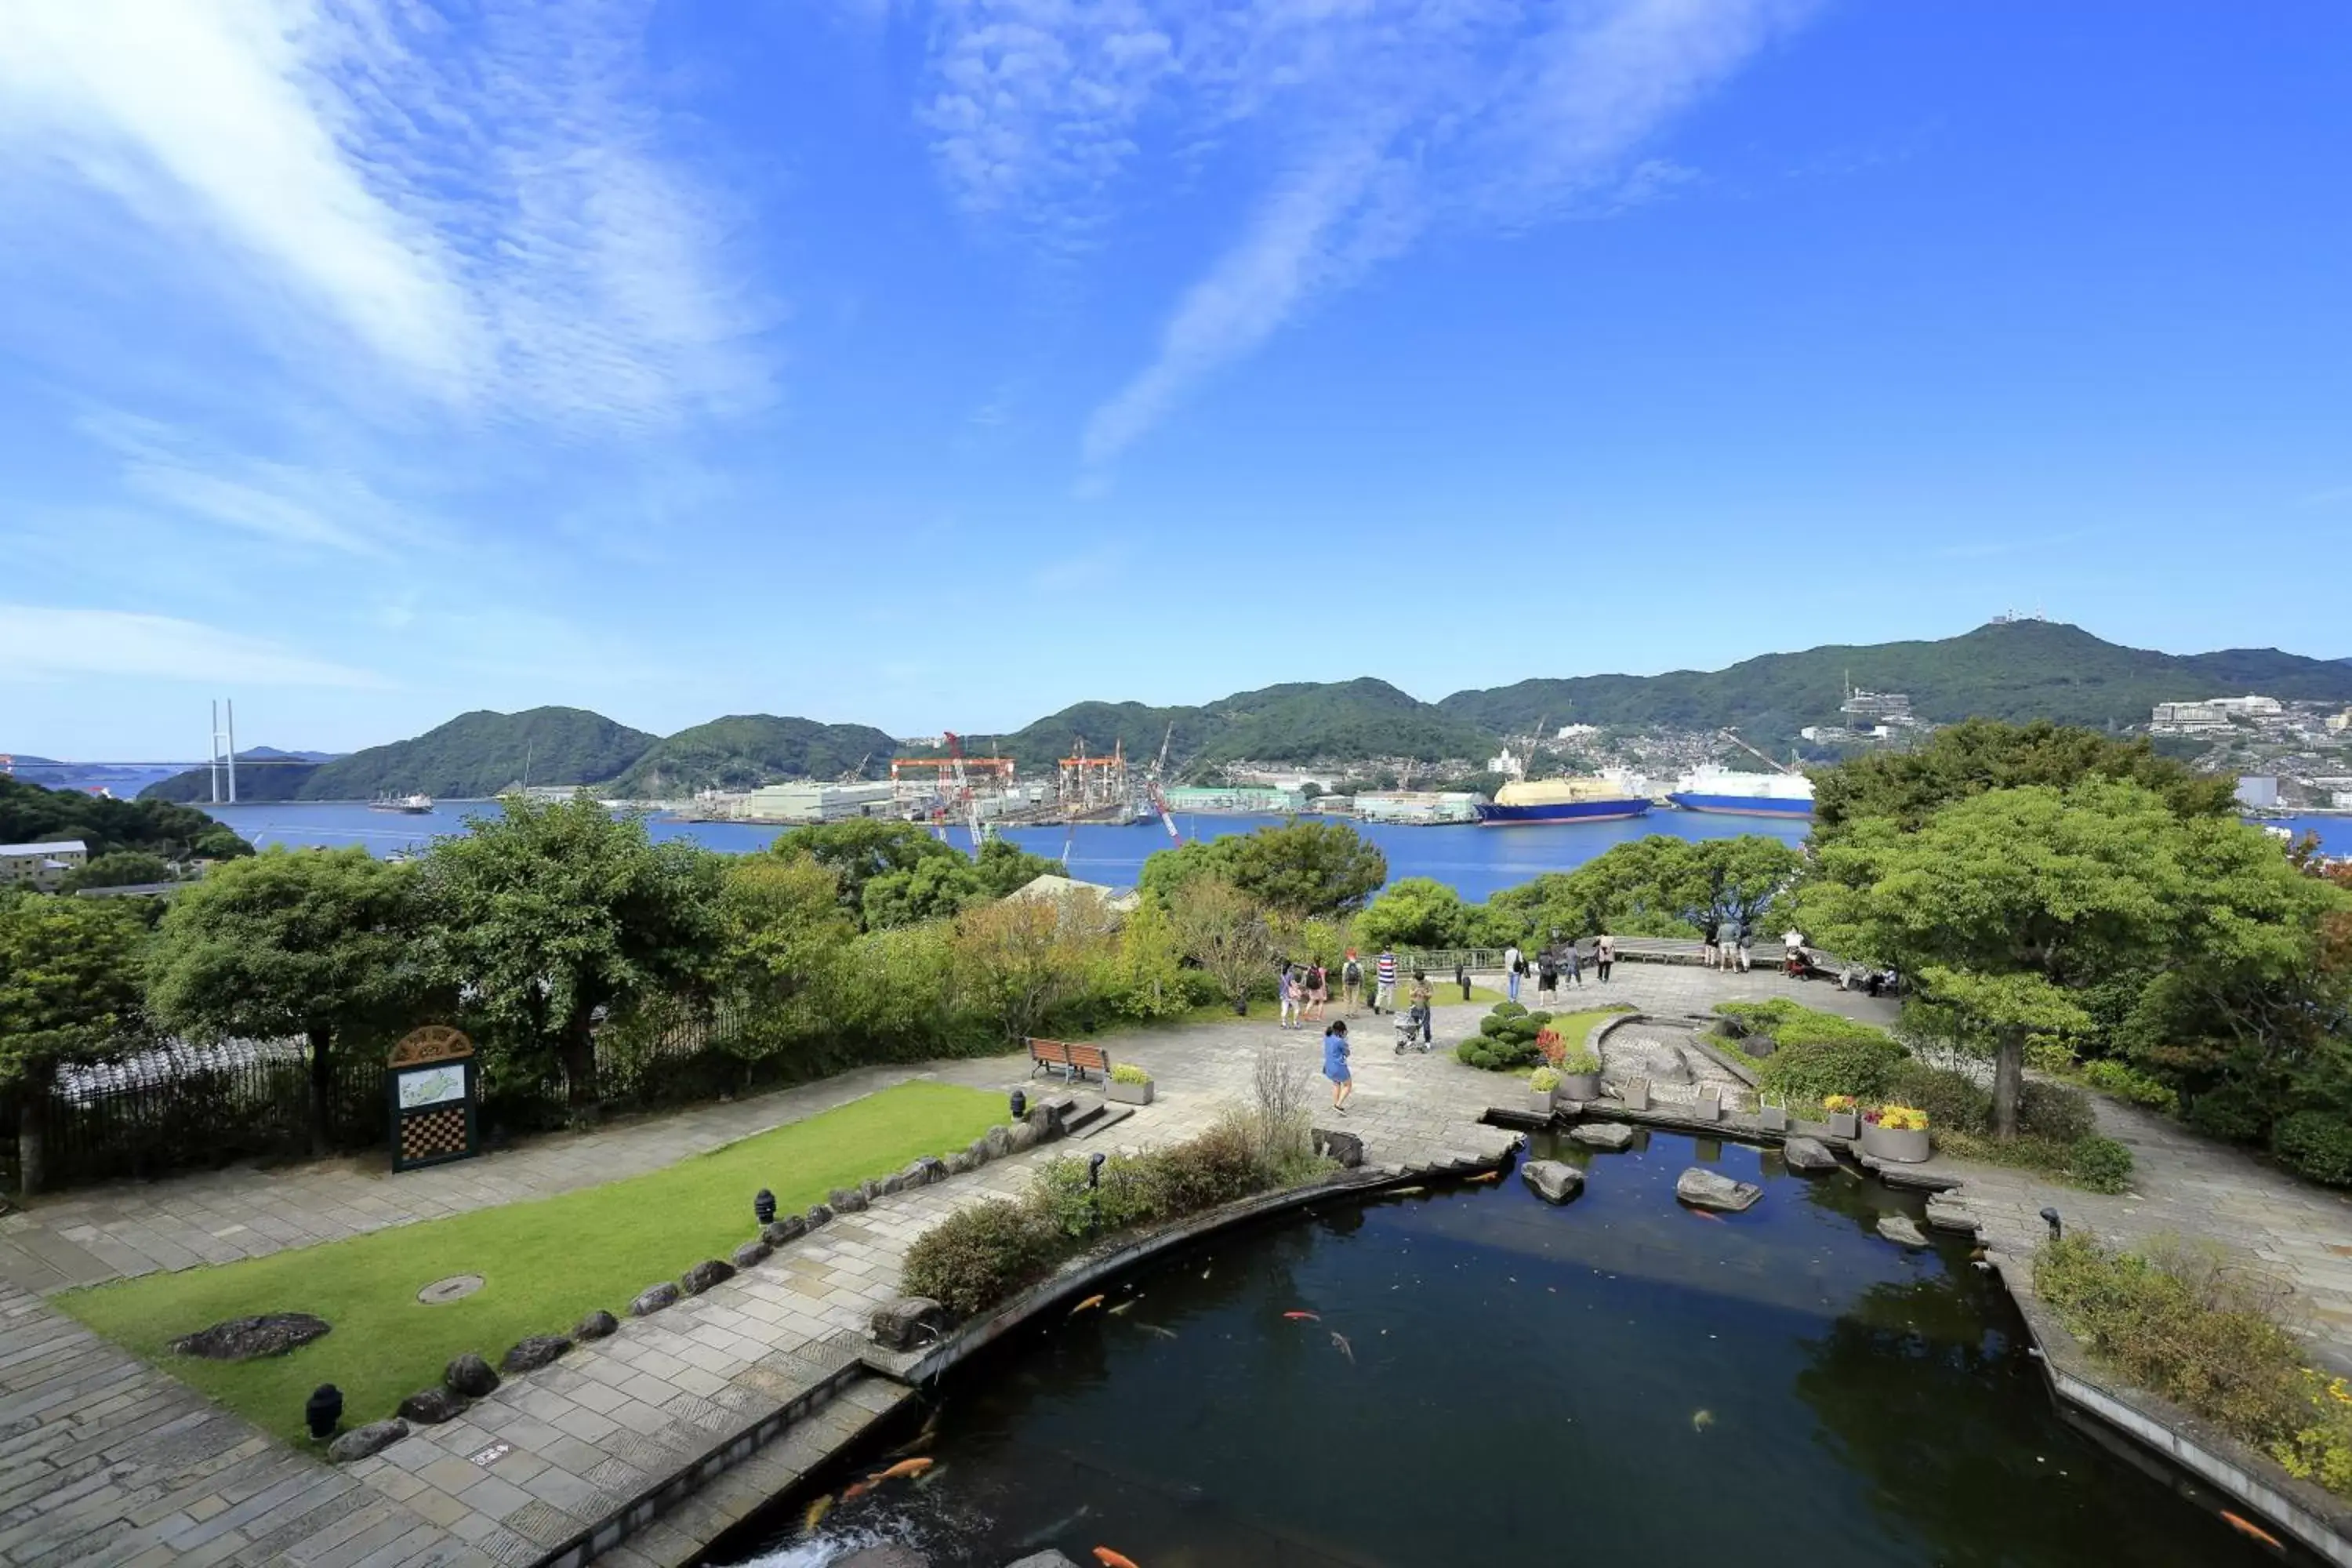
1511, 970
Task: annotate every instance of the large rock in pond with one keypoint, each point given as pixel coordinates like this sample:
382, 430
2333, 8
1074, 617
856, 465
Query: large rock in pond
1611, 1135
653, 1299
1808, 1154
704, 1275
1553, 1182
908, 1324
1704, 1189
598, 1324
1344, 1147
470, 1375
250, 1339
361, 1441
532, 1353
432, 1406
1898, 1228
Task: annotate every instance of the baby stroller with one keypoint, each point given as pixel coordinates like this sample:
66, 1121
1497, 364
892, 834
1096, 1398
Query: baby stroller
1409, 1027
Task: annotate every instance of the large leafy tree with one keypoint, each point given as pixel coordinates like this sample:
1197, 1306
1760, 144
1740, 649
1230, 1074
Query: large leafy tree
1982, 754
784, 935
69, 975
1423, 913
1299, 869
315, 943
1017, 961
1657, 885
1227, 935
861, 849
549, 915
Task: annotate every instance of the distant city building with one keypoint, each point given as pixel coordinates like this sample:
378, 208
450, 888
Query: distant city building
43, 865
1255, 799
1577, 732
808, 801
2341, 799
2215, 713
1507, 765
2260, 791
1889, 707
2339, 722
920, 743
1418, 808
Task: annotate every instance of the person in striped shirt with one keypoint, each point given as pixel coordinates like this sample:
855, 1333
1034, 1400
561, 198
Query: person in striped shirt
1384, 978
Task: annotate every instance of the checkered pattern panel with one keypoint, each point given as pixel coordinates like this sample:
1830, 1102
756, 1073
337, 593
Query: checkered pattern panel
430, 1134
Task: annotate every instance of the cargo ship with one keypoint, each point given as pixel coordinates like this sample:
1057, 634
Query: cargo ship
407, 805
1730, 791
1542, 802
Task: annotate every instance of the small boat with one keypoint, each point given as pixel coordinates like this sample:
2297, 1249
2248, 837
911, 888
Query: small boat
1738, 794
1543, 801
409, 805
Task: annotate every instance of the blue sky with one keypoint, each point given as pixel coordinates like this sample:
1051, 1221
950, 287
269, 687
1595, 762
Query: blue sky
938, 365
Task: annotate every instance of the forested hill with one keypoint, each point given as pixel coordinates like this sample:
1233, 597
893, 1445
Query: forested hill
2015, 671
32, 814
473, 756
746, 750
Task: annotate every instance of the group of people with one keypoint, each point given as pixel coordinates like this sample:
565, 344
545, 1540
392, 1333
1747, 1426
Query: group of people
1562, 962
1725, 945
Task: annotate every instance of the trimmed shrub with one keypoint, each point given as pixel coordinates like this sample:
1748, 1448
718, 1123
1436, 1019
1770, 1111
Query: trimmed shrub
2230, 1111
979, 1256
2317, 1144
1953, 1100
2099, 1165
2055, 1110
1862, 1063
1509, 1010
2128, 1082
1205, 1170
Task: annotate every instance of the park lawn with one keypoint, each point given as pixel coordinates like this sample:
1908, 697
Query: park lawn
1576, 1028
545, 1263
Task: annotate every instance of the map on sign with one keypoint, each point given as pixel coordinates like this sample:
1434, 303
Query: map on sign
431, 1086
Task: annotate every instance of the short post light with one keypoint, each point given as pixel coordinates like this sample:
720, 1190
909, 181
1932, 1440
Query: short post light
1018, 1100
323, 1411
763, 1206
2050, 1218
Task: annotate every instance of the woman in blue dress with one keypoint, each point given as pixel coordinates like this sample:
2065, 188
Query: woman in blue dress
1335, 1064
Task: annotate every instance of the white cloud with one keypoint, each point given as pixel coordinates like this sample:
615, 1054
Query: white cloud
304, 506
487, 214
41, 642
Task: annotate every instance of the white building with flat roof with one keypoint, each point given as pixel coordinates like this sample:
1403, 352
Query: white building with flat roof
43, 865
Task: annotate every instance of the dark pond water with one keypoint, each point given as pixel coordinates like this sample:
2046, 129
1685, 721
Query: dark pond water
1618, 1379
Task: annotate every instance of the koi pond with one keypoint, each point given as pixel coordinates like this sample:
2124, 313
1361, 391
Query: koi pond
1485, 1378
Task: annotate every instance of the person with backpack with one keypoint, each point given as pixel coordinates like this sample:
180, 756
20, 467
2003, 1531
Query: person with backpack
1547, 977
1512, 964
1710, 952
1351, 983
1384, 981
1291, 993
1319, 990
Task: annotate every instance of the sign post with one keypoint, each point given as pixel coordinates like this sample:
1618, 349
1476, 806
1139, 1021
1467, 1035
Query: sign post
431, 1080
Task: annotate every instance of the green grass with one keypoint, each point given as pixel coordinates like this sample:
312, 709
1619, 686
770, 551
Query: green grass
1575, 1029
545, 1263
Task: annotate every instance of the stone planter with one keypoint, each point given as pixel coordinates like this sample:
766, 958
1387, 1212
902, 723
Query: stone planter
1635, 1093
1130, 1093
1772, 1118
1709, 1106
1540, 1101
1840, 1126
1903, 1146
1845, 1124
1580, 1086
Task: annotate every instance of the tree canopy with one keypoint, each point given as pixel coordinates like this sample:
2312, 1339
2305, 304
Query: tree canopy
1299, 869
1656, 886
31, 814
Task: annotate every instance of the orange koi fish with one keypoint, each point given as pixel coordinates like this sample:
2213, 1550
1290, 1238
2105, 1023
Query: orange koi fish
816, 1512
1110, 1559
856, 1488
1302, 1317
1089, 1301
903, 1468
1488, 1176
1706, 1215
2247, 1527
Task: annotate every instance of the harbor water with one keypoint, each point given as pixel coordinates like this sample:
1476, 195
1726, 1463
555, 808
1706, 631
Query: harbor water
1474, 861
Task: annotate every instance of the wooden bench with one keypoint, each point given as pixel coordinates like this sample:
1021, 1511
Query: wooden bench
1073, 1059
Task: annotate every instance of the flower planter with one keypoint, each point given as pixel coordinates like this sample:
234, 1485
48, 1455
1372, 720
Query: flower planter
1128, 1093
1540, 1101
1580, 1086
1903, 1146
1842, 1125
1773, 1118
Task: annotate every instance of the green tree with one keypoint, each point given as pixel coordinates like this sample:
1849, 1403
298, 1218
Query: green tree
934, 888
1002, 867
783, 934
1299, 869
549, 914
118, 869
1656, 886
309, 942
69, 972
1423, 913
1982, 754
1226, 935
862, 848
1018, 961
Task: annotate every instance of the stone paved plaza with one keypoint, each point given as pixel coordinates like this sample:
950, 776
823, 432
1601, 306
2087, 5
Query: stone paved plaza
102, 1465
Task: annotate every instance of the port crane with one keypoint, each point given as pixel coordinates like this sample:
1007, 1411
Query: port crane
1159, 798
1777, 767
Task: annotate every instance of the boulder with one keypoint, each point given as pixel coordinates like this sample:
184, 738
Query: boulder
751, 1254
1613, 1135
653, 1299
432, 1406
704, 1275
819, 1213
908, 1324
922, 1172
597, 1325
792, 1227
980, 1152
1706, 1189
961, 1162
1020, 1138
1808, 1154
998, 1142
1552, 1180
1630, 1054
1898, 1228
250, 1339
1759, 1045
1345, 1147
846, 1200
892, 1183
361, 1441
1048, 1559
530, 1354
470, 1375
1049, 1117
870, 1188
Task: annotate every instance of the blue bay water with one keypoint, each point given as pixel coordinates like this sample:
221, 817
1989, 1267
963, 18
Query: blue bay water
1474, 861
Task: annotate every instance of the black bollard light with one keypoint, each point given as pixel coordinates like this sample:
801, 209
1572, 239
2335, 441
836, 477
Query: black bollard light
2050, 1218
1462, 976
1019, 1101
763, 1206
1094, 1168
323, 1411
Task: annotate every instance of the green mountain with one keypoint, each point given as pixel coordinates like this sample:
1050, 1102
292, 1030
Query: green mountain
746, 750
2013, 670
473, 756
32, 814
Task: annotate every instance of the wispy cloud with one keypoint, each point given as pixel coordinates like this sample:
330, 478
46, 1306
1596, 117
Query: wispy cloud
41, 642
483, 211
1378, 120
307, 508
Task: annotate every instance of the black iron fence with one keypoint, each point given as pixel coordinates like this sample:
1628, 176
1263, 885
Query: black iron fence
179, 1106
